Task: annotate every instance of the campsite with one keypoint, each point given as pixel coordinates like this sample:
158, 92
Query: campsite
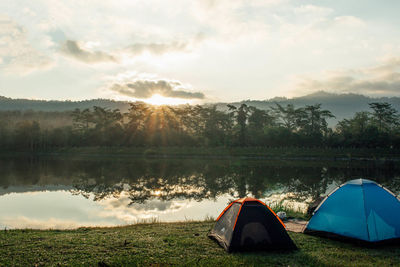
199, 133
184, 241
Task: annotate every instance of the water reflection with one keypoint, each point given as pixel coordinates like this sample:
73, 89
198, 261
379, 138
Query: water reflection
49, 193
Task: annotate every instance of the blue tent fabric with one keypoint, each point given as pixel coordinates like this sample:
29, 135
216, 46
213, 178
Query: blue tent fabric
359, 209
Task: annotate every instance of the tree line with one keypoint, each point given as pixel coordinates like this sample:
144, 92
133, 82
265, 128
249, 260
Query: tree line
238, 126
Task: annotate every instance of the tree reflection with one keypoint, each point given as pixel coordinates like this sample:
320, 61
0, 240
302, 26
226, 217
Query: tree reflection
142, 180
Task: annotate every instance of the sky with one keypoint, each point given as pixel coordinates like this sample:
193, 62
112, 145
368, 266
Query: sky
180, 51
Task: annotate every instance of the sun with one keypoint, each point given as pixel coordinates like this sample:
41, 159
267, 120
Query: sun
157, 193
157, 99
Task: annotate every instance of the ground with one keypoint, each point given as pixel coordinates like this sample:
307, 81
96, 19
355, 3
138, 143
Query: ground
164, 244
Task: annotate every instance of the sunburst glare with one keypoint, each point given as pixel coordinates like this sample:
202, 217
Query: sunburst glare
157, 99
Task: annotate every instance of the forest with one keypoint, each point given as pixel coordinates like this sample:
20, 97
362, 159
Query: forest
145, 125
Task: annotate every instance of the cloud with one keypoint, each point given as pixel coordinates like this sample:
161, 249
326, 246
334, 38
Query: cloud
159, 45
125, 211
72, 49
381, 80
22, 222
389, 85
390, 65
349, 21
17, 55
146, 88
157, 48
314, 10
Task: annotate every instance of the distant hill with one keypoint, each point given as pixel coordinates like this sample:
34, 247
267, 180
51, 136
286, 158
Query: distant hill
341, 105
55, 105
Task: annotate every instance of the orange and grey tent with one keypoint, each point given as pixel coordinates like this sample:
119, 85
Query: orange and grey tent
249, 224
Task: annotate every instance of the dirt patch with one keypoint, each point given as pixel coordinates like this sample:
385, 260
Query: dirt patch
296, 226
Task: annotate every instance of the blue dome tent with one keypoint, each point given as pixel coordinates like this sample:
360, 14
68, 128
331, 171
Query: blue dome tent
359, 209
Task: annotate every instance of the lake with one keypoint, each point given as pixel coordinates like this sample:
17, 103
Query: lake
65, 193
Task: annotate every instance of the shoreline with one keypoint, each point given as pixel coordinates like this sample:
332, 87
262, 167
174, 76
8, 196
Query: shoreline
251, 153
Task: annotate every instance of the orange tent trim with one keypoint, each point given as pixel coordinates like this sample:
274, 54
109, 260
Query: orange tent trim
237, 216
242, 201
222, 213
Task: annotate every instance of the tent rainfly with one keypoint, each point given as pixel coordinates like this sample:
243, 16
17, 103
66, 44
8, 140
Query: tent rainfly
359, 210
249, 224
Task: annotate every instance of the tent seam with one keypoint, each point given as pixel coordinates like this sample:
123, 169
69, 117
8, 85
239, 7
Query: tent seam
365, 211
390, 192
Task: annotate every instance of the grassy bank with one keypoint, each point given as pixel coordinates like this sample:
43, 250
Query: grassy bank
163, 244
290, 211
296, 153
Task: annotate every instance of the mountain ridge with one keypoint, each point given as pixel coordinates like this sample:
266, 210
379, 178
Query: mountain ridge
341, 105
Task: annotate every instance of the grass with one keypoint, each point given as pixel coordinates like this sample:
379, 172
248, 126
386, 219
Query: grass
290, 211
176, 244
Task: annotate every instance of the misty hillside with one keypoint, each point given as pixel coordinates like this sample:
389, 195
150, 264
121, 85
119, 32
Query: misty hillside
55, 105
341, 105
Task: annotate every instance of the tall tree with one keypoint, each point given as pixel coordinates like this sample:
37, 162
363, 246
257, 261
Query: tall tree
241, 115
384, 116
82, 119
258, 121
27, 134
135, 126
216, 126
313, 119
288, 116
107, 125
356, 125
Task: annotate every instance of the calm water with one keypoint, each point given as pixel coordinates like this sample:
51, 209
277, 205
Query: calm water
49, 193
